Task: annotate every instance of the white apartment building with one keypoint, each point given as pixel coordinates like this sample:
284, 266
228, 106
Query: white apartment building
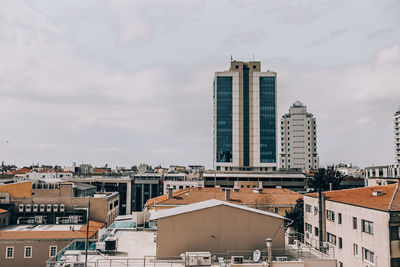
298, 139
396, 120
362, 223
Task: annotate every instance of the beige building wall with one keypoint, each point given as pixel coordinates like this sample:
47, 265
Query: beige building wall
378, 242
102, 209
40, 252
217, 230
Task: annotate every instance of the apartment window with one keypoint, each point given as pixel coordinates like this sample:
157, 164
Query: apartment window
355, 249
315, 210
340, 242
111, 206
308, 208
9, 252
340, 264
52, 251
28, 252
368, 255
339, 218
276, 210
354, 222
316, 231
394, 232
330, 215
331, 238
368, 227
308, 228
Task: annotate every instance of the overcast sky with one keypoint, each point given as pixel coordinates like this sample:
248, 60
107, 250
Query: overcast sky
124, 81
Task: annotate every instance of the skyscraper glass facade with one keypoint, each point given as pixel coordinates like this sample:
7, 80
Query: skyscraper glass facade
224, 119
267, 120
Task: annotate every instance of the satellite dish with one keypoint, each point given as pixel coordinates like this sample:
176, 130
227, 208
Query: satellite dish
256, 255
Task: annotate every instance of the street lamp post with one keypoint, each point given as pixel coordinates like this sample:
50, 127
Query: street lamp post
269, 248
87, 229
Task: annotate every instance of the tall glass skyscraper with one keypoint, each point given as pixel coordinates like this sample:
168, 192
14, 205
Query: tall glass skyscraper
245, 135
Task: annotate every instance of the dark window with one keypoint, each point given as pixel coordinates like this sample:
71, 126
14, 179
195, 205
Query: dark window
367, 227
308, 208
331, 238
394, 232
368, 255
354, 222
340, 242
330, 215
339, 218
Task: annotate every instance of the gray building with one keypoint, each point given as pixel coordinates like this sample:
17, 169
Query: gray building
298, 139
245, 136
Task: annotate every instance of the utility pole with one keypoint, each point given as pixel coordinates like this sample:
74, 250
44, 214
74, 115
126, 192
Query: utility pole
87, 232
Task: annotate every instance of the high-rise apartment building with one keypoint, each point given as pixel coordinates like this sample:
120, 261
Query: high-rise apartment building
298, 139
396, 119
245, 118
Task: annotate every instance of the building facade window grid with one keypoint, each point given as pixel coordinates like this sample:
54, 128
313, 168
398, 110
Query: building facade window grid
9, 252
224, 119
28, 252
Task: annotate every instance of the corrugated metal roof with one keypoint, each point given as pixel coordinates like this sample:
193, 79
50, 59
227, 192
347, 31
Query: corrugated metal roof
204, 205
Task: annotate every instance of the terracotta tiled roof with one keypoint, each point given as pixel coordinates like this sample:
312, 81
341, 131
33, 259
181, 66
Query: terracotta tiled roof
3, 211
81, 233
362, 196
246, 196
21, 171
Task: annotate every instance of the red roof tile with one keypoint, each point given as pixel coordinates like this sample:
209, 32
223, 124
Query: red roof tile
363, 197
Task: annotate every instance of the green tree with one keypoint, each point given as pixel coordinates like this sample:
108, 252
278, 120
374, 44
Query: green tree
296, 214
323, 178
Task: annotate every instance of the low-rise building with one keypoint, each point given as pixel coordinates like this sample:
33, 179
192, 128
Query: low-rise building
286, 179
33, 245
363, 224
212, 233
276, 200
44, 203
382, 175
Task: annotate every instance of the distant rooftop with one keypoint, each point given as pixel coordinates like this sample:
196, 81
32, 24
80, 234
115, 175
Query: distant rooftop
245, 196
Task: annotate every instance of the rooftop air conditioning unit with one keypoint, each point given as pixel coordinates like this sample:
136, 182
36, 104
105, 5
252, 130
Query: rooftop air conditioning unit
198, 259
101, 246
48, 209
110, 244
41, 207
35, 207
28, 207
21, 208
237, 259
62, 208
281, 258
55, 207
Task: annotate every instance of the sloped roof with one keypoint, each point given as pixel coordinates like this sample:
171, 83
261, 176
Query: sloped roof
81, 233
362, 196
205, 205
245, 196
3, 211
